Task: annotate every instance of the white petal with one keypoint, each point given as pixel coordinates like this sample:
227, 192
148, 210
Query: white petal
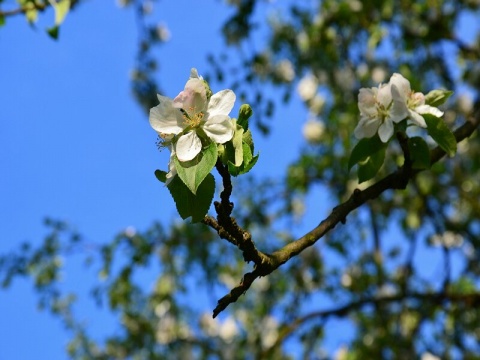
367, 102
188, 146
402, 84
398, 112
427, 109
193, 99
164, 118
366, 128
417, 119
194, 74
221, 103
385, 131
397, 95
384, 95
219, 128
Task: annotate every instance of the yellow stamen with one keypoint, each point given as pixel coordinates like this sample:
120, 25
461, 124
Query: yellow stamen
192, 118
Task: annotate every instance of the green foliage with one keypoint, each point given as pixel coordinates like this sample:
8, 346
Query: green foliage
441, 134
193, 172
53, 32
189, 204
61, 8
364, 149
437, 97
237, 153
419, 153
161, 175
244, 115
370, 167
369, 154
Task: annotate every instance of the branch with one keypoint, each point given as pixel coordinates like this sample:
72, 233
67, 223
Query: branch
396, 180
226, 226
472, 300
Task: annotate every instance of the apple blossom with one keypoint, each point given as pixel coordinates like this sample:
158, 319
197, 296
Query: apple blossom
413, 102
313, 131
378, 112
193, 116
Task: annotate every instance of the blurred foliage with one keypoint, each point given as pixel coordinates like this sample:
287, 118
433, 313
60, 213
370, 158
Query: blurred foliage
371, 272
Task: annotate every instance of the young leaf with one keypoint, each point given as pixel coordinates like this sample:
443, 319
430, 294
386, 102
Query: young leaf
244, 114
370, 167
237, 146
419, 153
189, 204
437, 97
248, 139
248, 162
365, 148
61, 10
53, 32
250, 165
442, 135
193, 172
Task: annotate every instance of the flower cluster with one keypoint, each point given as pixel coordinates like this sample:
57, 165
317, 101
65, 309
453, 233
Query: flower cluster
192, 120
390, 103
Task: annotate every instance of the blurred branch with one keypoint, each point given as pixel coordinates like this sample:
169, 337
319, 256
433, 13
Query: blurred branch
23, 9
33, 5
472, 299
398, 180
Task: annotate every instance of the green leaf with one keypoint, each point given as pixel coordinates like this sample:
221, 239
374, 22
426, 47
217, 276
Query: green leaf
244, 114
161, 175
369, 168
193, 172
247, 153
365, 148
419, 153
248, 139
2, 20
189, 204
248, 162
53, 32
237, 146
437, 97
61, 10
442, 135
250, 165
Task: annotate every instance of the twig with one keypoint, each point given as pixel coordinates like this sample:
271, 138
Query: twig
226, 226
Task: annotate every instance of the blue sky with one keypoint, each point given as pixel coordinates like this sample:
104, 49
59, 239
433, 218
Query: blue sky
75, 146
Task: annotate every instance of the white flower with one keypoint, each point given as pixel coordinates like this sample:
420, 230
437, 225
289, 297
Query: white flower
228, 330
429, 356
413, 102
378, 112
285, 70
192, 114
307, 87
313, 131
448, 239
